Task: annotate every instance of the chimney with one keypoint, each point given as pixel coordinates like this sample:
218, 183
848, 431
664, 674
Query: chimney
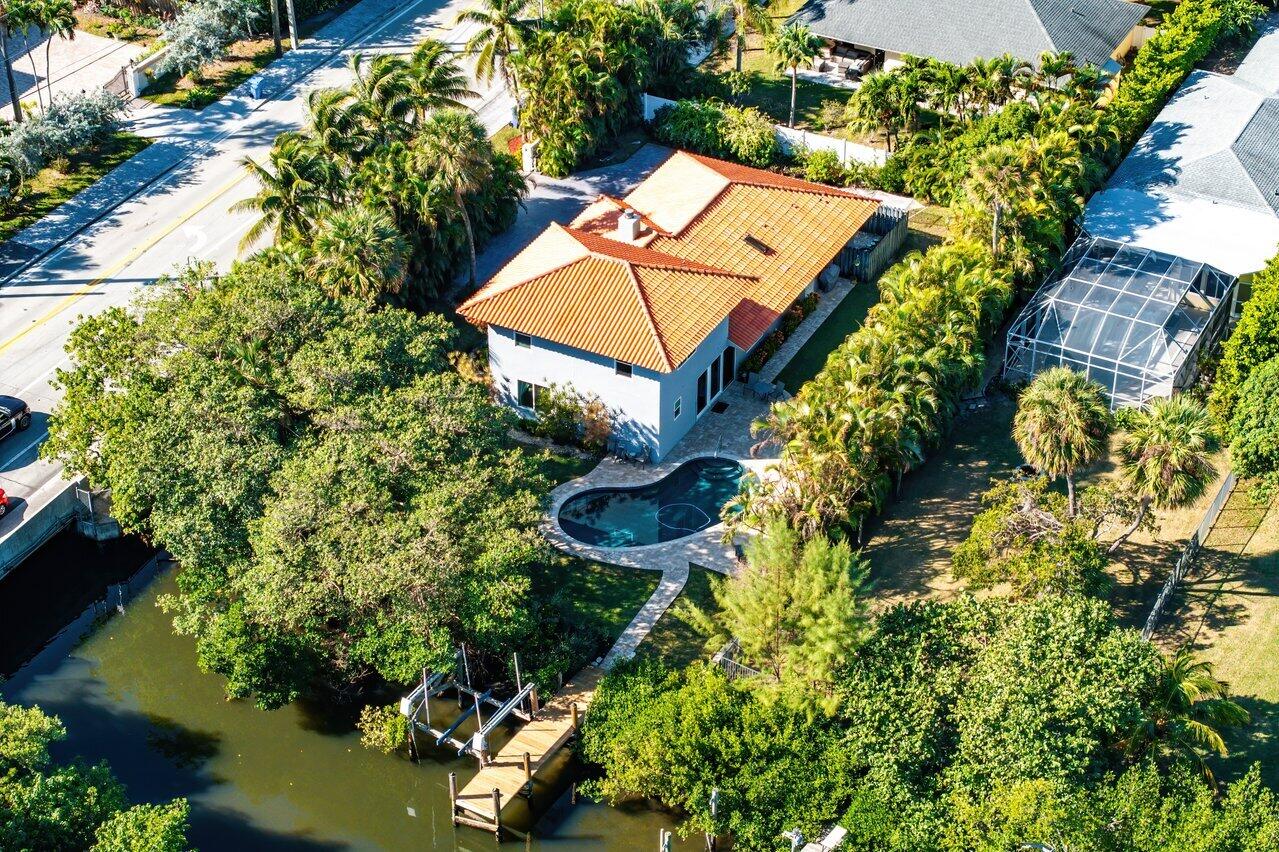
628, 226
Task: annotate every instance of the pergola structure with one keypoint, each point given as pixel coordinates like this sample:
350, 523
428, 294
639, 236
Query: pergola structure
1132, 319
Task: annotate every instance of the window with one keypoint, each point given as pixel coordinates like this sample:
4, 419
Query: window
622, 368
715, 377
676, 408
523, 341
701, 393
730, 365
529, 395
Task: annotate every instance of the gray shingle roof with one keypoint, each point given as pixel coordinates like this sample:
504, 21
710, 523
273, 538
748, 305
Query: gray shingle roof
962, 31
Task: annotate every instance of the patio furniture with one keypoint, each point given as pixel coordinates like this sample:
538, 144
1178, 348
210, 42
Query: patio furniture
760, 389
778, 392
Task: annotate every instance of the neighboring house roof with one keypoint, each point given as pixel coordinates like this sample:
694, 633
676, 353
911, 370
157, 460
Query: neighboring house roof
1203, 181
717, 241
963, 31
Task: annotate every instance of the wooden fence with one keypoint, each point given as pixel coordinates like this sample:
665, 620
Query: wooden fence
1186, 560
890, 224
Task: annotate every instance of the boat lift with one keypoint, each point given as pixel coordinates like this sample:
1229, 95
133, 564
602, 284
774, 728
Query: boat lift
417, 704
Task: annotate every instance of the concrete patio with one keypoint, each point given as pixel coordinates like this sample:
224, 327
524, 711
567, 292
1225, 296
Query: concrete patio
725, 434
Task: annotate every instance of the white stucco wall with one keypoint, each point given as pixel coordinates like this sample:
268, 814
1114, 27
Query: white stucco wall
642, 406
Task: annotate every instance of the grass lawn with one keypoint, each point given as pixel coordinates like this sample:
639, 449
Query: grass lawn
909, 546
604, 596
675, 639
770, 92
1239, 634
843, 321
241, 61
560, 467
51, 187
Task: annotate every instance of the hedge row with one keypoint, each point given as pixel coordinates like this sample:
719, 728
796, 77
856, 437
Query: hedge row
890, 390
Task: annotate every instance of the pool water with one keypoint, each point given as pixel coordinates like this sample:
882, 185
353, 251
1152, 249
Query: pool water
687, 500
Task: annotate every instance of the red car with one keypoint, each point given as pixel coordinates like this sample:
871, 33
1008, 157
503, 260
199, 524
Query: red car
4, 503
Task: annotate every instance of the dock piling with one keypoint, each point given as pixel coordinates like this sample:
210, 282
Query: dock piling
528, 774
497, 812
573, 711
453, 794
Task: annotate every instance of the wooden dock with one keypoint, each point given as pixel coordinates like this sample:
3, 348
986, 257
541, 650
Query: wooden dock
510, 772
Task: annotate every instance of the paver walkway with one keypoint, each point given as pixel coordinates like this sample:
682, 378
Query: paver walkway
726, 434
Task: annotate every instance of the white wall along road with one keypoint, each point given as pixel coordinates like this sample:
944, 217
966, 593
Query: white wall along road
181, 217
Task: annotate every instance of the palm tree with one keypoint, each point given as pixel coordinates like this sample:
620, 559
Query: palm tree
302, 185
434, 80
749, 15
1188, 713
1165, 457
12, 14
59, 20
26, 16
1061, 424
793, 44
454, 146
382, 91
337, 126
358, 251
501, 34
998, 175
873, 107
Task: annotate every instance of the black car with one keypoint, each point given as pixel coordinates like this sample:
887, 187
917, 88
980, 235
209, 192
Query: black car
15, 415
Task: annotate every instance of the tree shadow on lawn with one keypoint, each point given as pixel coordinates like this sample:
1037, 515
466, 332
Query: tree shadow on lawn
910, 543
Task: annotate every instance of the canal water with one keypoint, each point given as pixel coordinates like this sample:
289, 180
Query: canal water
80, 636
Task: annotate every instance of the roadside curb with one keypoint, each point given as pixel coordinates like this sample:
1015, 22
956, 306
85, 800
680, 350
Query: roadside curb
196, 150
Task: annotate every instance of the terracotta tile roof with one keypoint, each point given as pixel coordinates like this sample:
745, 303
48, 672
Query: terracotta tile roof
718, 240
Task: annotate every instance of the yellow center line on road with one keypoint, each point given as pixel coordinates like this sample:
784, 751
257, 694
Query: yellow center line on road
128, 259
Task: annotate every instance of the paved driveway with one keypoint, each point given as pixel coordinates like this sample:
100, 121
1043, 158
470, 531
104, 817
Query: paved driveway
83, 63
559, 200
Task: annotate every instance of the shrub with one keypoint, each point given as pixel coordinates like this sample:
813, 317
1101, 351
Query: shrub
824, 166
718, 130
71, 122
568, 417
768, 347
1254, 429
201, 30
383, 729
832, 115
1254, 341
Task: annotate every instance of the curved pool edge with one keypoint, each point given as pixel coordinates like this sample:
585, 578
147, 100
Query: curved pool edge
704, 548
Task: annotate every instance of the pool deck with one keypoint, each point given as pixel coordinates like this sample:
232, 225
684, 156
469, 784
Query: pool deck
726, 435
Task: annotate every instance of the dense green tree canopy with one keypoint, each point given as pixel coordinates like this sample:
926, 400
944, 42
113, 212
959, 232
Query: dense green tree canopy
1254, 427
46, 805
341, 502
962, 725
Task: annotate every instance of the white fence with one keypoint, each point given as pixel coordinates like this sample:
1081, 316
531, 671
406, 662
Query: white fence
791, 139
1188, 556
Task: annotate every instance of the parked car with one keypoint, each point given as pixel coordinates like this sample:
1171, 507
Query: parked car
4, 503
15, 415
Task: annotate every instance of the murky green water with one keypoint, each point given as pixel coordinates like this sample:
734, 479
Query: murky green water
129, 692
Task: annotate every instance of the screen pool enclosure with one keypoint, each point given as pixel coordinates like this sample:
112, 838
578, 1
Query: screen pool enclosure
1134, 320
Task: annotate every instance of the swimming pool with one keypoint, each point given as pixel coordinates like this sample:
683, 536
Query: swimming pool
685, 501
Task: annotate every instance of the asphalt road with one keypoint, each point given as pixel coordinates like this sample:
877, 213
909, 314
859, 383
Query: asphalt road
182, 217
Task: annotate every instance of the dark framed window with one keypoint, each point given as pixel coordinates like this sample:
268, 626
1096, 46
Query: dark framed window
729, 371
701, 393
523, 341
675, 409
623, 369
529, 395
715, 377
